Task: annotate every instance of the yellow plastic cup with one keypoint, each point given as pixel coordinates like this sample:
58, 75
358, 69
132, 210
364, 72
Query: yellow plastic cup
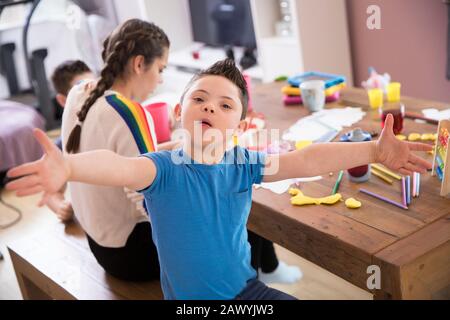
375, 98
393, 92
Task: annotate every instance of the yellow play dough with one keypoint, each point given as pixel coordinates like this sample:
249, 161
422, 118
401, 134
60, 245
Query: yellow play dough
401, 137
299, 199
302, 144
414, 136
352, 203
428, 137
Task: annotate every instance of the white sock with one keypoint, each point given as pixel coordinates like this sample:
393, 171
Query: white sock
282, 274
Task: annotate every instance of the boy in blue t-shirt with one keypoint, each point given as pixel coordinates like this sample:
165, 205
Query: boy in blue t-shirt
199, 196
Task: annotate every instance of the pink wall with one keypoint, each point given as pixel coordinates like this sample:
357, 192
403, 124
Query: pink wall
411, 45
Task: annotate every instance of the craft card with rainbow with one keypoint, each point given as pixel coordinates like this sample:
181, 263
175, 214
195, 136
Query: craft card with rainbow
441, 160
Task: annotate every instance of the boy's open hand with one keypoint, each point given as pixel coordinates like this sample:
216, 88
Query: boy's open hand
397, 155
47, 174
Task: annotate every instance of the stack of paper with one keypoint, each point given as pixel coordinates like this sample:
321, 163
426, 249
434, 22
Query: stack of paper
322, 123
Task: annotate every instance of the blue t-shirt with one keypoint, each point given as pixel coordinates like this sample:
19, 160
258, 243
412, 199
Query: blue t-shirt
199, 215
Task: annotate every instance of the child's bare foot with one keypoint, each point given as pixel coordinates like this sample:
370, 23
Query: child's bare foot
60, 206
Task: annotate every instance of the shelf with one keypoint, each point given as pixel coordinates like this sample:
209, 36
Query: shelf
184, 61
284, 41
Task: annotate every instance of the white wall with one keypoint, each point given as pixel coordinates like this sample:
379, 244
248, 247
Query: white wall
174, 18
171, 15
324, 36
128, 9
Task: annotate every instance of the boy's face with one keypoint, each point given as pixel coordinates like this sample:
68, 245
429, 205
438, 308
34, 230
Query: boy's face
61, 98
83, 76
211, 105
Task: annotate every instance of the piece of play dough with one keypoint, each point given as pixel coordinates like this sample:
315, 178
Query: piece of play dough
352, 203
414, 136
428, 137
401, 137
299, 145
299, 199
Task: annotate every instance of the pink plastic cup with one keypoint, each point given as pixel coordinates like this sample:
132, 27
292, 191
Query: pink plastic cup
160, 117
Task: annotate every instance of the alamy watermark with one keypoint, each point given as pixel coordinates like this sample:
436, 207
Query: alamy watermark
213, 144
73, 17
373, 21
374, 280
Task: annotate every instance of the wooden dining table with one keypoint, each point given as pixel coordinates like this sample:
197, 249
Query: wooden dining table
391, 252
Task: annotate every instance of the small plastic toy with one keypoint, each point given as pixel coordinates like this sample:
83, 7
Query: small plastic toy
376, 80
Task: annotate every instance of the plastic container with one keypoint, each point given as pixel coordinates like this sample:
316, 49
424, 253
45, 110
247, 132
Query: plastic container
361, 173
393, 92
398, 111
160, 115
375, 98
313, 94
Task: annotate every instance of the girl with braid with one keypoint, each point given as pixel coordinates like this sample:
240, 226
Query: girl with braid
105, 114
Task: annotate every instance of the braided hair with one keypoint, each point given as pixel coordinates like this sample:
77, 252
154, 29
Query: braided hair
134, 37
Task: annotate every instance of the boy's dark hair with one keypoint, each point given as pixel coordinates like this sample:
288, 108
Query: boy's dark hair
64, 74
132, 38
227, 69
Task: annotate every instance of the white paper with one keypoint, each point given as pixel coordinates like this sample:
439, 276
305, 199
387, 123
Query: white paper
322, 122
435, 114
282, 186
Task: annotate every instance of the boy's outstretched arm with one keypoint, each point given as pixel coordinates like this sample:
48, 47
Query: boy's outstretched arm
319, 159
102, 167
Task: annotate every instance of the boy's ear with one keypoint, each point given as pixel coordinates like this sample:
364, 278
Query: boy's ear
138, 64
61, 99
242, 126
177, 112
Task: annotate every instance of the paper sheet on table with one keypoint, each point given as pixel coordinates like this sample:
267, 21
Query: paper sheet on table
308, 130
322, 122
436, 114
283, 186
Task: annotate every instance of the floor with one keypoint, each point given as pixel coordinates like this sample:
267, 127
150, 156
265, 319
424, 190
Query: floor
316, 283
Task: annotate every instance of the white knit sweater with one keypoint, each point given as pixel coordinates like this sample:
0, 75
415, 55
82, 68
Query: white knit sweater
107, 214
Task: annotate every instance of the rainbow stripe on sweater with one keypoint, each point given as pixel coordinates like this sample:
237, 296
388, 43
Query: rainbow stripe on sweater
134, 116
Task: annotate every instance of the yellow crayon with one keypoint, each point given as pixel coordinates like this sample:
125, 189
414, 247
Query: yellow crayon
382, 176
386, 171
